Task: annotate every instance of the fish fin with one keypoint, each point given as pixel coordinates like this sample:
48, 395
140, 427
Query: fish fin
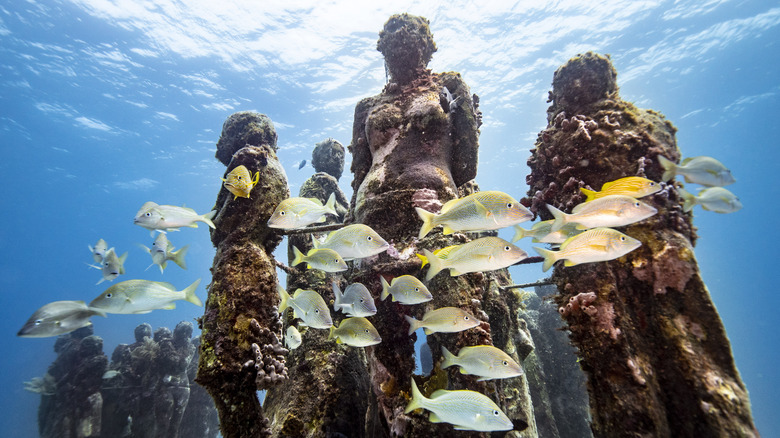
298, 259
314, 242
428, 221
424, 260
481, 379
189, 293
101, 280
568, 263
436, 265
284, 296
519, 233
417, 399
688, 200
428, 331
169, 306
162, 267
670, 169
92, 266
590, 194
455, 273
337, 296
331, 335
122, 263
141, 312
145, 248
481, 210
206, 218
550, 257
178, 256
433, 418
446, 230
413, 324
560, 218
385, 288
330, 206
449, 358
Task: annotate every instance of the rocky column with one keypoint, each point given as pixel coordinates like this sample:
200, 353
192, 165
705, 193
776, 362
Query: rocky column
652, 344
241, 351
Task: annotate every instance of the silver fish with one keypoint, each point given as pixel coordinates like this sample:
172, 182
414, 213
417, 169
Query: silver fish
292, 338
715, 199
99, 250
443, 320
485, 361
480, 211
143, 296
609, 211
354, 241
307, 305
355, 301
112, 266
323, 259
703, 170
162, 251
295, 213
596, 245
156, 217
58, 318
356, 332
406, 289
542, 232
484, 254
466, 410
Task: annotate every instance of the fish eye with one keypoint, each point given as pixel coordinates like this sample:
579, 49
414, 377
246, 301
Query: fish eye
507, 248
622, 238
509, 205
148, 214
495, 413
465, 318
362, 300
505, 363
366, 330
316, 310
417, 289
652, 184
636, 204
38, 321
281, 213
239, 178
109, 295
369, 238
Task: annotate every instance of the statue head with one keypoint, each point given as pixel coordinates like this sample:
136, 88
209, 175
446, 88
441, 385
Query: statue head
407, 45
328, 157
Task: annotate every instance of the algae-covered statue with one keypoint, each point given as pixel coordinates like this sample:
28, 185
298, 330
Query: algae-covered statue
650, 340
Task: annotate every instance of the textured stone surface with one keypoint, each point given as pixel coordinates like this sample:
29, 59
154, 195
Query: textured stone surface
652, 344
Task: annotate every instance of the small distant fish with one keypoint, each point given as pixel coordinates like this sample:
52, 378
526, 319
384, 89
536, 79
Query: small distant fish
110, 374
542, 232
356, 332
406, 289
323, 259
302, 164
354, 241
156, 217
609, 211
307, 305
443, 320
239, 182
596, 245
450, 101
162, 251
715, 199
484, 254
485, 361
143, 296
295, 213
634, 186
293, 338
58, 318
112, 266
464, 409
99, 250
703, 170
480, 211
355, 301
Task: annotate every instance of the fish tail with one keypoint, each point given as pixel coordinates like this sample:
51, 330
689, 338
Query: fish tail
424, 260
330, 206
99, 312
206, 218
449, 358
314, 242
427, 218
519, 233
435, 262
560, 218
284, 296
590, 194
688, 200
670, 169
417, 399
122, 263
413, 324
385, 288
298, 256
550, 257
178, 256
189, 293
331, 333
337, 296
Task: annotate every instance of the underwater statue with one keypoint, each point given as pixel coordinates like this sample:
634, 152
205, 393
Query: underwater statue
651, 343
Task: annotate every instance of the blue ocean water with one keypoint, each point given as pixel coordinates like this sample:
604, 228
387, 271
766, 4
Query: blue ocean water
106, 104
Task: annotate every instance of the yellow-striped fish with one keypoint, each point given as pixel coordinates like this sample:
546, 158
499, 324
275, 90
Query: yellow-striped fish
542, 232
464, 409
634, 186
299, 212
609, 211
405, 289
485, 361
596, 245
443, 320
484, 254
307, 305
240, 182
354, 241
323, 259
356, 332
480, 211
